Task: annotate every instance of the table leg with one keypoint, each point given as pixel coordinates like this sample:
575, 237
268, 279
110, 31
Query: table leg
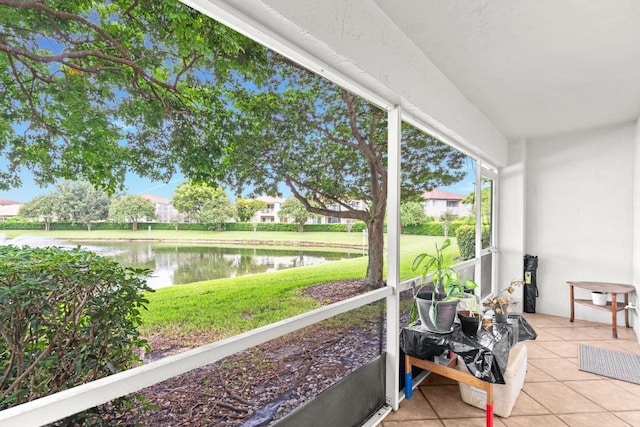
614, 315
489, 409
571, 299
408, 380
626, 311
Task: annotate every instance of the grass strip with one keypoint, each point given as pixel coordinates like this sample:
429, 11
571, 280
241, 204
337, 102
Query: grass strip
225, 307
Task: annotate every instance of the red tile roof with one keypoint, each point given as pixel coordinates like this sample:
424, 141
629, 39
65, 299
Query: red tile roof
9, 202
441, 195
155, 199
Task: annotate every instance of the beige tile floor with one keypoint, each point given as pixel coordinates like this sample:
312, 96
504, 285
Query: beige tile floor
555, 392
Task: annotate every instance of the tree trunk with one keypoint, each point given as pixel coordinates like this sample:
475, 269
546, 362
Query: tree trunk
47, 225
134, 227
88, 226
375, 227
301, 228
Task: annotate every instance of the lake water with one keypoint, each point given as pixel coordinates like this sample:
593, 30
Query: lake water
179, 263
175, 264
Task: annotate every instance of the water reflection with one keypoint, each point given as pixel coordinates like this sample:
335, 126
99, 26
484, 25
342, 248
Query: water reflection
178, 264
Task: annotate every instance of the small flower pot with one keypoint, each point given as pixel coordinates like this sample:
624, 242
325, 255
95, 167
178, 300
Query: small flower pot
501, 313
599, 298
469, 322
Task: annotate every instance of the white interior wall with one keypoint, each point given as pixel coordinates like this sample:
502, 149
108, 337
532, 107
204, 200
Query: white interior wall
511, 214
579, 200
636, 226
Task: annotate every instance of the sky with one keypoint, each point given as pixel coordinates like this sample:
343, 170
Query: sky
137, 185
133, 185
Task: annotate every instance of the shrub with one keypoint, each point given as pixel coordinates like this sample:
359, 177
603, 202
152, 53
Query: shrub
67, 318
21, 225
466, 235
276, 226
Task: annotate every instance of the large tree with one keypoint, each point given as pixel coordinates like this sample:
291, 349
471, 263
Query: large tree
95, 89
43, 207
190, 197
217, 209
81, 202
296, 211
330, 148
131, 208
247, 208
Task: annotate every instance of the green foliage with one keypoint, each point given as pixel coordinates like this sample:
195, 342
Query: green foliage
66, 318
247, 208
356, 227
293, 209
424, 229
412, 213
466, 236
78, 75
444, 278
42, 207
21, 225
80, 202
446, 219
72, 201
131, 208
189, 198
217, 209
276, 226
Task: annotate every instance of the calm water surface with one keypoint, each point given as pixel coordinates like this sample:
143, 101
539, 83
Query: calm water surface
174, 264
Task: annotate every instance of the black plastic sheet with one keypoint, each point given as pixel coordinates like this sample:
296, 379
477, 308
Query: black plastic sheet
486, 354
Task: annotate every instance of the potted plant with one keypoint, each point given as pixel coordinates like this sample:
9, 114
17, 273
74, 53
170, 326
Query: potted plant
501, 304
471, 318
436, 305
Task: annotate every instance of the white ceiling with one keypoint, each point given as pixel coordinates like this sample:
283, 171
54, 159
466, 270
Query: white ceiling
534, 68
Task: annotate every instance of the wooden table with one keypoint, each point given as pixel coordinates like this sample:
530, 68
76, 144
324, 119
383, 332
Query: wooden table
614, 306
486, 354
449, 371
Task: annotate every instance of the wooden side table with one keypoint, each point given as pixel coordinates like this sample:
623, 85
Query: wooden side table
614, 306
449, 371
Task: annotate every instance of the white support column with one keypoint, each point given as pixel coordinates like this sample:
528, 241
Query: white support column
635, 257
478, 206
393, 259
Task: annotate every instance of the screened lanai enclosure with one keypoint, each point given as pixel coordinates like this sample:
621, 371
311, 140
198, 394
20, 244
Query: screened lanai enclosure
534, 106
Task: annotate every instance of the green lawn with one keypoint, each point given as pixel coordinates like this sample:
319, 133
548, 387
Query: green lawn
225, 307
160, 235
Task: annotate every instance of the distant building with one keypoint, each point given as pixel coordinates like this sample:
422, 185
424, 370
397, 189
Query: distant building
437, 202
270, 213
9, 208
165, 212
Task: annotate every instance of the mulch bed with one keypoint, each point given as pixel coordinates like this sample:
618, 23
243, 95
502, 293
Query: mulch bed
261, 385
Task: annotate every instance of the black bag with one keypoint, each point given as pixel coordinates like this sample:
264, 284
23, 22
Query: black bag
530, 283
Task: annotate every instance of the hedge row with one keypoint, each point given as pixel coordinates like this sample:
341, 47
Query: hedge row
466, 236
230, 226
432, 228
425, 229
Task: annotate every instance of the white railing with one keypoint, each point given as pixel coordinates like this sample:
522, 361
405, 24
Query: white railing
69, 402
